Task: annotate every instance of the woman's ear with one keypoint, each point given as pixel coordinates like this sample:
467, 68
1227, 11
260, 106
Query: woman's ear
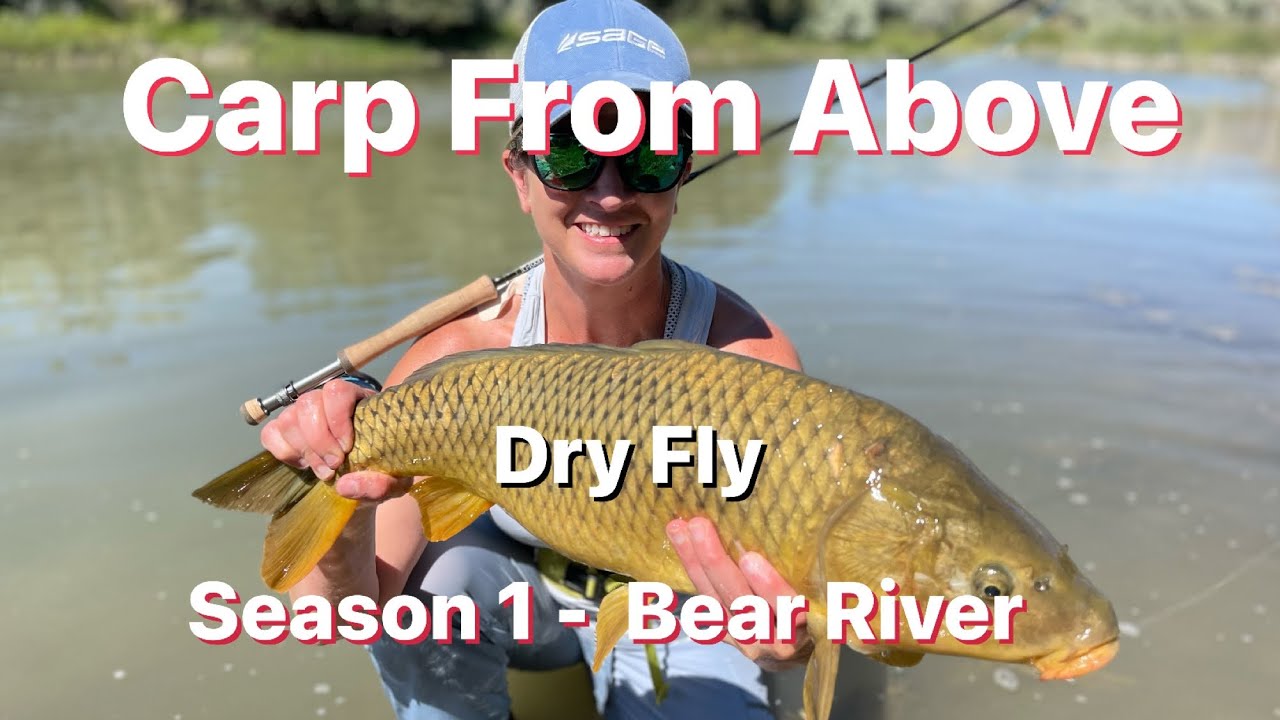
516, 171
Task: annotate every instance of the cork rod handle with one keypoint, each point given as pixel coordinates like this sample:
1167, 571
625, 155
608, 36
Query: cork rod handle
426, 318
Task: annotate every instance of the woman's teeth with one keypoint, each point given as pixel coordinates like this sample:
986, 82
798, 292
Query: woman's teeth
606, 230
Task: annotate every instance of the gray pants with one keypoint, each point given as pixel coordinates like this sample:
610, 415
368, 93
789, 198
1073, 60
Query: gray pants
461, 681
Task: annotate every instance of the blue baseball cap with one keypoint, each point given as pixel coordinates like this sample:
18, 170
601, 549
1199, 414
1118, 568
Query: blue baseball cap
581, 41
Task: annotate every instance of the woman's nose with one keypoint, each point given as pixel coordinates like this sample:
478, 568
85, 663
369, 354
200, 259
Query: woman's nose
609, 192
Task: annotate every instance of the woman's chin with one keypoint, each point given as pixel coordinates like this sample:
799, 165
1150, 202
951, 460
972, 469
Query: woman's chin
605, 264
606, 269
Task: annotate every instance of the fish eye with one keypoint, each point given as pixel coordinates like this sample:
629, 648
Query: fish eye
992, 580
1042, 584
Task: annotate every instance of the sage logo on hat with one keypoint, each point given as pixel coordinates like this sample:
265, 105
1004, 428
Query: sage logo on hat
582, 41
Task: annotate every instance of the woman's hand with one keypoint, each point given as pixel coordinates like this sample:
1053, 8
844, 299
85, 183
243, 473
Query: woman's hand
715, 574
316, 432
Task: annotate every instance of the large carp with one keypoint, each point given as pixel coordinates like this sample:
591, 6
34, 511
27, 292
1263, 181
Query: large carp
848, 489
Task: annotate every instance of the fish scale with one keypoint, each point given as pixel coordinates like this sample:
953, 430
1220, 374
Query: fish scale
850, 489
591, 393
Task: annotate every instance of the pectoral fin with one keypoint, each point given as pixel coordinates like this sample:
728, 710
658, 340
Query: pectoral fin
447, 507
891, 656
611, 624
298, 537
820, 675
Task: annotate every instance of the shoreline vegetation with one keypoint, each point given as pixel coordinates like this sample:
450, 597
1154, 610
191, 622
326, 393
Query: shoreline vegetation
83, 41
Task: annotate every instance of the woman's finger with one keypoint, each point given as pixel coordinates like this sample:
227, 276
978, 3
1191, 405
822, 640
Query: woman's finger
678, 533
768, 584
340, 400
724, 574
313, 422
371, 486
274, 442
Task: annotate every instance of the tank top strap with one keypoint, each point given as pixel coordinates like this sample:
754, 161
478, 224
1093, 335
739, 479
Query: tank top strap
531, 324
692, 306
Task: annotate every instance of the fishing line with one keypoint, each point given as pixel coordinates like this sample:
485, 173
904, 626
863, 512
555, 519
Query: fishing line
1193, 600
487, 290
878, 77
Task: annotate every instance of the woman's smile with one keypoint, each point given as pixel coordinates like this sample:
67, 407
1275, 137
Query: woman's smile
606, 234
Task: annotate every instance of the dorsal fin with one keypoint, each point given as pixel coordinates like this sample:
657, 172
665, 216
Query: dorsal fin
665, 344
467, 357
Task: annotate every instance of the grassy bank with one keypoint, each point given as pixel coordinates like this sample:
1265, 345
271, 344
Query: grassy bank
78, 41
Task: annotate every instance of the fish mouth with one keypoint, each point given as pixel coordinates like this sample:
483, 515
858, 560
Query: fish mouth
1056, 667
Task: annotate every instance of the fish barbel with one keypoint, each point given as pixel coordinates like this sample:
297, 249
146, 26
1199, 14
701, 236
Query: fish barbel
849, 489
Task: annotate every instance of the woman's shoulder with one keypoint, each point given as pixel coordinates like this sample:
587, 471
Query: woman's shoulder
738, 327
468, 331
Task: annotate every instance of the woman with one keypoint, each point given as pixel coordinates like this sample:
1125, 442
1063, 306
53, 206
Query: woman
604, 280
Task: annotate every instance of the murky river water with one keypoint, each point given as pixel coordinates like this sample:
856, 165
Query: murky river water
1100, 334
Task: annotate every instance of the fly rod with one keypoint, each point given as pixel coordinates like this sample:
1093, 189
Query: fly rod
482, 290
486, 289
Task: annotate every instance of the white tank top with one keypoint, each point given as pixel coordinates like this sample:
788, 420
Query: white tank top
689, 312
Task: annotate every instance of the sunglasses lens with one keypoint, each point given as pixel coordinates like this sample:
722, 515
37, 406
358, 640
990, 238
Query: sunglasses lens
647, 171
567, 164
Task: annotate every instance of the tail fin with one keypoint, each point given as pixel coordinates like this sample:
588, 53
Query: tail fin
260, 484
307, 514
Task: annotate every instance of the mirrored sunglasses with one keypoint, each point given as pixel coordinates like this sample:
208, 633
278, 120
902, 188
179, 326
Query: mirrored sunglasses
569, 165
